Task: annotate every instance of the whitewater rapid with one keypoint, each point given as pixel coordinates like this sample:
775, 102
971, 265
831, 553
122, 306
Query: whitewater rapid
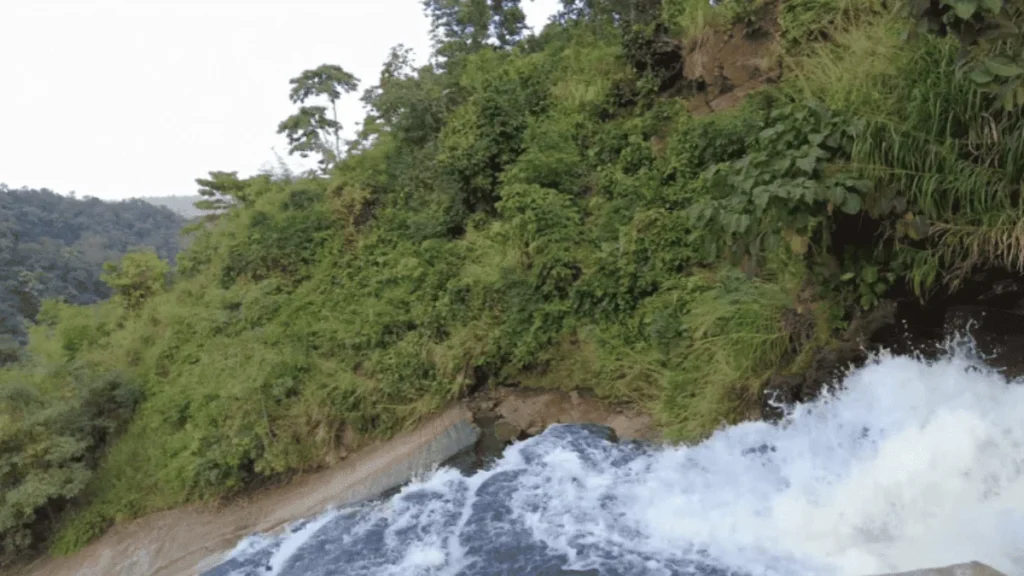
907, 464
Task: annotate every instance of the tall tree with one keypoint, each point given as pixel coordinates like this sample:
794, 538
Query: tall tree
508, 21
311, 130
459, 27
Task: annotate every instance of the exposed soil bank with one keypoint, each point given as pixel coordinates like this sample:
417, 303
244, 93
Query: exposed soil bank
186, 540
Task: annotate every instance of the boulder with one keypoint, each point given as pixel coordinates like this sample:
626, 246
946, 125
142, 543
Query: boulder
998, 334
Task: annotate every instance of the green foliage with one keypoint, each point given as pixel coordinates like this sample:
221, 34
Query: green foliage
311, 130
786, 187
525, 209
54, 247
461, 27
990, 33
737, 339
805, 22
137, 277
694, 17
53, 425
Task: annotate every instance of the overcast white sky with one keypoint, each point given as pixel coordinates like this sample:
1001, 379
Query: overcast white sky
116, 99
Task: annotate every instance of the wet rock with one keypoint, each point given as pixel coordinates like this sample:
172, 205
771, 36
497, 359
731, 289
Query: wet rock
827, 364
506, 431
533, 411
968, 569
998, 334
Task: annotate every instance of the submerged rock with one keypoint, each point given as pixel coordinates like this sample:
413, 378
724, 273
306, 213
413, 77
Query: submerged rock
506, 431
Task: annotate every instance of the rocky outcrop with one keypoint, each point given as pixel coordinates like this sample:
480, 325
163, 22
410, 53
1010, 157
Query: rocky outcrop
827, 364
969, 569
724, 66
509, 414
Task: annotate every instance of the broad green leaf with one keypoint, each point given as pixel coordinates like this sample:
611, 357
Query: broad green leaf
807, 163
851, 205
981, 75
761, 196
1009, 100
868, 300
817, 138
965, 8
798, 244
847, 277
869, 274
1003, 66
993, 6
782, 164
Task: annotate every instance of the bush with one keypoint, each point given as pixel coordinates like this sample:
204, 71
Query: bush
53, 428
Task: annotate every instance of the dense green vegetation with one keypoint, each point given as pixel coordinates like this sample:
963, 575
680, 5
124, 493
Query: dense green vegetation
532, 209
53, 247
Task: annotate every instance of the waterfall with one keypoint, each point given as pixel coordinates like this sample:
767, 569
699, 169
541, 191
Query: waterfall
906, 464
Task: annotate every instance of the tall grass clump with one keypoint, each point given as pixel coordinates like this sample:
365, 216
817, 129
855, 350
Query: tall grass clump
693, 18
736, 337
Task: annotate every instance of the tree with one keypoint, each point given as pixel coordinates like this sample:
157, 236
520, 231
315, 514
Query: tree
460, 27
136, 278
220, 191
311, 130
10, 349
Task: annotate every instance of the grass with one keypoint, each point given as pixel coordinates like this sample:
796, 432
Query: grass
694, 18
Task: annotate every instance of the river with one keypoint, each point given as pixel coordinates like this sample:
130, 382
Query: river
909, 463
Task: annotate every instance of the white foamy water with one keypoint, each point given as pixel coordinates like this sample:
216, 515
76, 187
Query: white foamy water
294, 541
909, 465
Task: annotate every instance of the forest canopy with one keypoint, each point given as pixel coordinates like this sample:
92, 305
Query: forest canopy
53, 247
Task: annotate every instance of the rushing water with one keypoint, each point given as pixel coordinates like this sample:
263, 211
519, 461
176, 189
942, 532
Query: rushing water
910, 464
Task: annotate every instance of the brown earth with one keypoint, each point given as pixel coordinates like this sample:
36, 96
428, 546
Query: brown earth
724, 66
524, 412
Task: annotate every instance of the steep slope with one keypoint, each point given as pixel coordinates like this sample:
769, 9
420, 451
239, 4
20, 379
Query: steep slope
550, 211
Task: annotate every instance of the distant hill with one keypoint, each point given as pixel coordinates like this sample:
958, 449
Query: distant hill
54, 246
181, 205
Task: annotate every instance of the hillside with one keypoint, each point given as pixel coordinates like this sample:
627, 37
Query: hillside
183, 206
667, 203
54, 247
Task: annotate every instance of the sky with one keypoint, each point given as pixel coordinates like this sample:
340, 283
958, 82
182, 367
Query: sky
120, 99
